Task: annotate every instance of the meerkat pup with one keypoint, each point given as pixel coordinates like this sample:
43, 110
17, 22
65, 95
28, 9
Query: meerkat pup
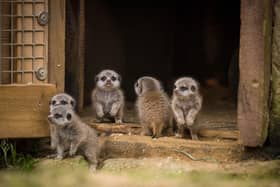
64, 100
153, 106
107, 96
74, 135
186, 104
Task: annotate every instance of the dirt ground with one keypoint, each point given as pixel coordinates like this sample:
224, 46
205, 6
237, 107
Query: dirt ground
152, 172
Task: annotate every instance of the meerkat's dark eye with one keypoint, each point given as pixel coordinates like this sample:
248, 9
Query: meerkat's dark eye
63, 102
53, 102
69, 117
136, 84
56, 116
193, 88
113, 78
103, 78
174, 87
72, 103
183, 88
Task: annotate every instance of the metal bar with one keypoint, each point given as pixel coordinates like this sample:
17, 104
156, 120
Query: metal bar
19, 44
0, 46
20, 30
26, 58
15, 16
33, 39
18, 71
12, 40
22, 41
19, 1
44, 41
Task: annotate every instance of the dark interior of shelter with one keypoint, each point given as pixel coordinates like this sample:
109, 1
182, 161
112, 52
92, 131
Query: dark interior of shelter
164, 39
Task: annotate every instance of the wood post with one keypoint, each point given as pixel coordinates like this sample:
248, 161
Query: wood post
255, 62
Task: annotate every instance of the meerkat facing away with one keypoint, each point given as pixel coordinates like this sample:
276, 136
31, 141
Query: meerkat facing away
64, 100
107, 96
153, 106
186, 104
74, 135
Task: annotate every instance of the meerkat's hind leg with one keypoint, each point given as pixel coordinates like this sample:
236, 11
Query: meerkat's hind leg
119, 116
180, 131
193, 132
91, 157
54, 136
146, 131
157, 129
60, 152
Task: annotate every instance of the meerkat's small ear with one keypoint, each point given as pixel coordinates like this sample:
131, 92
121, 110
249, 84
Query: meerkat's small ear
96, 78
193, 88
73, 103
69, 116
120, 78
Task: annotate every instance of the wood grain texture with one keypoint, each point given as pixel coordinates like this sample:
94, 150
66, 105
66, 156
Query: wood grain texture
254, 66
24, 110
57, 43
275, 112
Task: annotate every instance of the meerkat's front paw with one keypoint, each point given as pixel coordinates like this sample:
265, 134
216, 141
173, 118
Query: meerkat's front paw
100, 114
72, 152
59, 157
53, 145
178, 135
180, 121
113, 112
190, 121
118, 121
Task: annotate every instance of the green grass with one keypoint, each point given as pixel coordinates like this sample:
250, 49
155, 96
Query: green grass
10, 158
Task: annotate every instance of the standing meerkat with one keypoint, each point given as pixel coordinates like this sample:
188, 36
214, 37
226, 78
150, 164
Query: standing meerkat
62, 99
186, 104
74, 135
153, 106
107, 96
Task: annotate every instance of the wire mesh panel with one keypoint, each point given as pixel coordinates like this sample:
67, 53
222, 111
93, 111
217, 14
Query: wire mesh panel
23, 41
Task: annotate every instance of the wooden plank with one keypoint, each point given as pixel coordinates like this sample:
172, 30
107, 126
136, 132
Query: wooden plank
132, 128
57, 43
143, 146
274, 133
24, 110
254, 66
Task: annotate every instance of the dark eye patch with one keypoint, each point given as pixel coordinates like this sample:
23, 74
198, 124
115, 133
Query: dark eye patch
72, 103
183, 88
113, 78
69, 117
63, 102
103, 78
136, 84
53, 102
56, 116
193, 88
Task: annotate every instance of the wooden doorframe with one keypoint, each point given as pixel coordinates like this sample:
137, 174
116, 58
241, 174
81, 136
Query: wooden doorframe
75, 50
57, 43
255, 71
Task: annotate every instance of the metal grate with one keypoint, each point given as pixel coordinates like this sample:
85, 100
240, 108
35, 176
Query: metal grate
23, 41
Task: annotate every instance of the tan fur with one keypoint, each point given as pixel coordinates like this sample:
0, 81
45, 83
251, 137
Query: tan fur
153, 109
